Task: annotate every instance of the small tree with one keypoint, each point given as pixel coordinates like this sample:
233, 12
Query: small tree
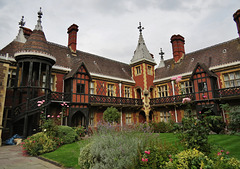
111, 114
234, 116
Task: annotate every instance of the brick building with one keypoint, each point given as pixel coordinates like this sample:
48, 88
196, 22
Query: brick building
42, 70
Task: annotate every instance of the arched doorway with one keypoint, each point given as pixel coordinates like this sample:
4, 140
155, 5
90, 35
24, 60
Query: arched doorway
139, 93
142, 117
151, 118
78, 119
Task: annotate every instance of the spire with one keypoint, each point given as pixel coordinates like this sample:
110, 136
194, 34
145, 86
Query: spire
141, 53
20, 37
36, 44
21, 23
39, 26
161, 64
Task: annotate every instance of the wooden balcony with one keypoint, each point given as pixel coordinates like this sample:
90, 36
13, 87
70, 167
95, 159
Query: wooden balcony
60, 97
225, 93
228, 92
100, 99
177, 99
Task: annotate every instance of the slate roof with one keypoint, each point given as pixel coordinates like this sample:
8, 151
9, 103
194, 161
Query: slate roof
219, 54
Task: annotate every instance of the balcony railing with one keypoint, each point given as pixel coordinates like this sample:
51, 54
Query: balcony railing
227, 92
114, 100
171, 99
58, 96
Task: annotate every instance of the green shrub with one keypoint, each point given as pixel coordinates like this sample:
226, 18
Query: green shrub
154, 155
111, 115
234, 117
49, 127
67, 134
161, 127
113, 148
215, 123
81, 131
38, 144
85, 159
189, 159
194, 134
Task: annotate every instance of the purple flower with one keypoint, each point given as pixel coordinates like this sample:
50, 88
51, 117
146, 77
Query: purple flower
48, 115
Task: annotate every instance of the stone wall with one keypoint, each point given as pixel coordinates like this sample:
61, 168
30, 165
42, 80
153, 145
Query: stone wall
4, 67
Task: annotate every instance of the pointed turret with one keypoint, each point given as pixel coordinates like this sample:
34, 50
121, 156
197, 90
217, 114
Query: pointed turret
36, 45
20, 37
161, 64
141, 53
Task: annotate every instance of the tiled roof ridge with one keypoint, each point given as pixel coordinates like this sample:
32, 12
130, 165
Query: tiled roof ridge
209, 47
56, 44
61, 66
218, 44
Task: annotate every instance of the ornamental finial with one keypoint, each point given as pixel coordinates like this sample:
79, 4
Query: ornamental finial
161, 53
40, 13
21, 23
140, 27
39, 26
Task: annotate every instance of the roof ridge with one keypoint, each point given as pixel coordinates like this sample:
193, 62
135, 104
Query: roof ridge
221, 43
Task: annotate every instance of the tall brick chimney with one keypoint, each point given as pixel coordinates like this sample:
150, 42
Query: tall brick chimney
236, 18
72, 37
178, 47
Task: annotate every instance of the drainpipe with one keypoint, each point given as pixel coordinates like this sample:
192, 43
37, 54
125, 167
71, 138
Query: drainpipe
120, 93
176, 119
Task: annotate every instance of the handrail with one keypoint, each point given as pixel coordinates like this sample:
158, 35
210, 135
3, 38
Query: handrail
114, 100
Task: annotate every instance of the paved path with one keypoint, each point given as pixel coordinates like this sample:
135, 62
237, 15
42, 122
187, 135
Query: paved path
11, 157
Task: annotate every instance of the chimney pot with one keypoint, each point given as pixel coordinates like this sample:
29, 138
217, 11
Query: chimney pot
72, 37
236, 18
178, 47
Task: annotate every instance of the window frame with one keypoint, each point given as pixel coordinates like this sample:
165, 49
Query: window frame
128, 118
233, 82
110, 90
80, 88
165, 116
138, 70
127, 92
92, 87
163, 91
186, 89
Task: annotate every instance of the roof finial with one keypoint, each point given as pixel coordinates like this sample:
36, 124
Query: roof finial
140, 27
161, 53
40, 13
39, 26
21, 23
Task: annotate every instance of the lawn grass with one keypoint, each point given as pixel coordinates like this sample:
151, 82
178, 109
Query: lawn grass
67, 155
229, 143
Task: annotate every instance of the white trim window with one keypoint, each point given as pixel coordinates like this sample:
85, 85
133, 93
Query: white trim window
186, 87
163, 91
128, 118
110, 90
127, 92
92, 90
232, 79
164, 116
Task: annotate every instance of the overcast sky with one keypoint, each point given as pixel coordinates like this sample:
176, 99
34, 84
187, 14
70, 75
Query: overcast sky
108, 28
